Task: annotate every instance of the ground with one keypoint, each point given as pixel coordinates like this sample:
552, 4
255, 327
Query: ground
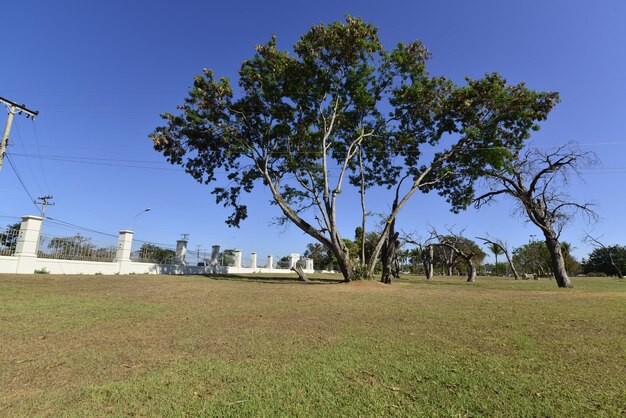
199, 346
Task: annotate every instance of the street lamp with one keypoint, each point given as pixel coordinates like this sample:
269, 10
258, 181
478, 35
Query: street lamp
135, 217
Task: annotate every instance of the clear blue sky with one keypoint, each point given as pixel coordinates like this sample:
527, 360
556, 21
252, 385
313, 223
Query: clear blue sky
101, 72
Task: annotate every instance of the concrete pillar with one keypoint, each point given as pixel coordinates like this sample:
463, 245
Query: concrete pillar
253, 260
181, 251
237, 258
28, 244
124, 245
309, 264
293, 259
28, 238
215, 253
270, 262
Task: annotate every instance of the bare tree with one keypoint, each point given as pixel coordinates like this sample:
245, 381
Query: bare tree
607, 250
447, 257
463, 247
426, 251
298, 270
497, 243
537, 180
427, 255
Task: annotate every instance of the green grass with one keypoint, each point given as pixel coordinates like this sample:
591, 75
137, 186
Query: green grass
196, 346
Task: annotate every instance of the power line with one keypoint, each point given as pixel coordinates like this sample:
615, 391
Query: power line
43, 172
69, 224
95, 161
30, 167
21, 181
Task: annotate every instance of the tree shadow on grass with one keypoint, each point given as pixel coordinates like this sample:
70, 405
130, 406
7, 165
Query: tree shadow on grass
286, 279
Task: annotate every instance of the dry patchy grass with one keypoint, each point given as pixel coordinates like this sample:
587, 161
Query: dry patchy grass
172, 346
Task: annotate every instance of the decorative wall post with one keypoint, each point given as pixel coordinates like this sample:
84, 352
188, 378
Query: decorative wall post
181, 251
293, 259
309, 264
270, 262
124, 245
28, 244
253, 260
237, 259
28, 238
215, 254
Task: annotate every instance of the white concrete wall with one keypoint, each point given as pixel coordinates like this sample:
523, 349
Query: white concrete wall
9, 264
25, 259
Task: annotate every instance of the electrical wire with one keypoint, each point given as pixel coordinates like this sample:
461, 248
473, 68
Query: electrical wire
89, 162
30, 167
68, 225
43, 172
60, 222
17, 174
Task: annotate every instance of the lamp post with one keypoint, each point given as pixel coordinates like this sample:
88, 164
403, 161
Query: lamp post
135, 217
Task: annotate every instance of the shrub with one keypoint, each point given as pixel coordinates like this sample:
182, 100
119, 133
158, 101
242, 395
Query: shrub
42, 270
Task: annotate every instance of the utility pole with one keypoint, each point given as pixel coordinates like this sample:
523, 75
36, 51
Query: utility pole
43, 201
13, 107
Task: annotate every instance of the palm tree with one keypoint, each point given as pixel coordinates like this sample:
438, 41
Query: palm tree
496, 250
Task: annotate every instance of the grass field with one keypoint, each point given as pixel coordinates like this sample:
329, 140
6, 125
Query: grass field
197, 346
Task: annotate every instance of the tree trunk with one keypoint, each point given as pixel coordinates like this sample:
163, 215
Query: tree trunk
395, 271
615, 267
511, 265
448, 269
300, 273
558, 263
427, 254
387, 255
471, 271
618, 271
345, 265
496, 268
428, 270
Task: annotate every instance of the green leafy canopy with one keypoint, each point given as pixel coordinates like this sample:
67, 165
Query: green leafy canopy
296, 121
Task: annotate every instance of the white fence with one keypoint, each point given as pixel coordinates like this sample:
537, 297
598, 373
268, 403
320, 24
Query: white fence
26, 251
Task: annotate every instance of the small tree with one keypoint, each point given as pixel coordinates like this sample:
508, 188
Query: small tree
495, 250
322, 258
427, 256
76, 247
465, 248
606, 259
227, 258
8, 238
503, 249
154, 253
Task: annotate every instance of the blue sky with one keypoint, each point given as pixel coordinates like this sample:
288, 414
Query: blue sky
101, 72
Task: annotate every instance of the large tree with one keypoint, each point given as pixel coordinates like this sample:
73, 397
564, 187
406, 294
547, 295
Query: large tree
537, 180
344, 110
